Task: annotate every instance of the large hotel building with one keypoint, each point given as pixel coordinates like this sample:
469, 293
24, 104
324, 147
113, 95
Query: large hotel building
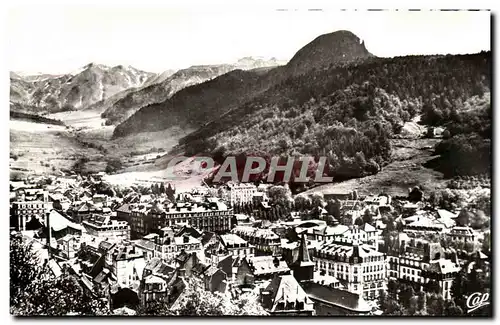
211, 215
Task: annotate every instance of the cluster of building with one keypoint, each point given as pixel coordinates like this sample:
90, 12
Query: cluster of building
141, 249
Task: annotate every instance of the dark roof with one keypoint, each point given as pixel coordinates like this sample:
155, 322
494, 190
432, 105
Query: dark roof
102, 276
157, 266
182, 257
124, 208
340, 298
200, 268
105, 245
191, 231
206, 237
303, 258
285, 288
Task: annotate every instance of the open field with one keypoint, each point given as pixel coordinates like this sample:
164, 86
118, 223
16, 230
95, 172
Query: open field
181, 176
44, 148
80, 119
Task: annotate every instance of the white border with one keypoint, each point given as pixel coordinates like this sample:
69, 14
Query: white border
241, 5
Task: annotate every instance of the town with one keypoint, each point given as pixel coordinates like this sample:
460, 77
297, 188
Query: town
145, 247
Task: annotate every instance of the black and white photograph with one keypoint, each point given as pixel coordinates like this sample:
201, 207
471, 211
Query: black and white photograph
206, 161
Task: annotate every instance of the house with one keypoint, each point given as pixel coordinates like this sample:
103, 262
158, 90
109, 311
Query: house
157, 276
264, 240
126, 264
256, 268
284, 296
68, 246
81, 211
165, 246
209, 277
330, 301
237, 246
442, 271
104, 226
123, 212
464, 234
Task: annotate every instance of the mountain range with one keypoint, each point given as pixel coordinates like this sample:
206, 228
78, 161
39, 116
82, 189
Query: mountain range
77, 90
333, 98
118, 91
196, 106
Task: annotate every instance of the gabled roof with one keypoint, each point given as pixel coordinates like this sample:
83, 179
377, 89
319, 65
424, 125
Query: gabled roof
157, 266
58, 222
286, 289
206, 237
144, 243
125, 208
369, 228
340, 298
442, 213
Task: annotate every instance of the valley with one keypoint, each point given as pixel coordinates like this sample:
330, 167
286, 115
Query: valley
333, 98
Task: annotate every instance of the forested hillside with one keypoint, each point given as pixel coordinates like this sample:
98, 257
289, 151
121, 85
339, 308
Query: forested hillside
349, 113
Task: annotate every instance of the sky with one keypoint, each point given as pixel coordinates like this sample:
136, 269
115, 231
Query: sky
62, 38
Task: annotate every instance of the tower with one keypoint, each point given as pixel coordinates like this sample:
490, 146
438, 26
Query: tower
303, 266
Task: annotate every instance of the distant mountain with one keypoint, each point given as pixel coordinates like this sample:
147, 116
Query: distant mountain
74, 91
330, 49
160, 88
250, 62
123, 105
194, 105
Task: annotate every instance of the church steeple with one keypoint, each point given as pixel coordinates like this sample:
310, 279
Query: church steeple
303, 252
303, 266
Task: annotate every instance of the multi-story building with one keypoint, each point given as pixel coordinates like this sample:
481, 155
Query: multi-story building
442, 272
264, 240
126, 264
211, 215
104, 226
422, 264
366, 234
237, 246
361, 268
25, 211
155, 282
166, 246
140, 220
68, 246
463, 234
241, 193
